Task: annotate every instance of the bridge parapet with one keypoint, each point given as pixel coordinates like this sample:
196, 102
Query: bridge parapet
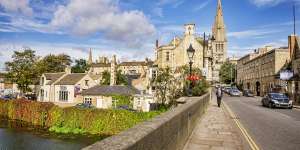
168, 131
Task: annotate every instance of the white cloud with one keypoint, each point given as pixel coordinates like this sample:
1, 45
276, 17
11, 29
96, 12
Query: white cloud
103, 16
252, 33
260, 3
158, 11
17, 6
201, 6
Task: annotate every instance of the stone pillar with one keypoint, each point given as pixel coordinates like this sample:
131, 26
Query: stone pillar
113, 71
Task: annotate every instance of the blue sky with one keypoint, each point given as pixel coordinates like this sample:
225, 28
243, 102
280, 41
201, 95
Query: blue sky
129, 28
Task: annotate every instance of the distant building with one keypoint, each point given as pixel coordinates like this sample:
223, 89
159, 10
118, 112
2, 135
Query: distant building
233, 60
210, 51
294, 82
259, 71
64, 87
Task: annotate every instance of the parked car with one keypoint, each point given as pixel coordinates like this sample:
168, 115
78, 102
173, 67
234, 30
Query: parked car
248, 93
84, 105
31, 97
125, 107
273, 100
227, 89
234, 92
6, 97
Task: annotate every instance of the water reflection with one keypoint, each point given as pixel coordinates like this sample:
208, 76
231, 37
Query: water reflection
21, 136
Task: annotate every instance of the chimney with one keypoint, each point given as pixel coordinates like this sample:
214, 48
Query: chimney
156, 44
113, 71
292, 45
68, 70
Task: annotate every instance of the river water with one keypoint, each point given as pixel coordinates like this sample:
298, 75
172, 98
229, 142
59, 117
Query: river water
16, 136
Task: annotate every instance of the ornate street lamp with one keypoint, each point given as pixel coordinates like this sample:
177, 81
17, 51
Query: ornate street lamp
191, 53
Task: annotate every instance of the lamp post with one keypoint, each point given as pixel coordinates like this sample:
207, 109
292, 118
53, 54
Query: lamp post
190, 52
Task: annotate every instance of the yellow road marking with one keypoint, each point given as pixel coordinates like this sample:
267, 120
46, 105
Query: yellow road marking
250, 141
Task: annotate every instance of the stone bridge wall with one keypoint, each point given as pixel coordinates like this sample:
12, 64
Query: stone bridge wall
169, 131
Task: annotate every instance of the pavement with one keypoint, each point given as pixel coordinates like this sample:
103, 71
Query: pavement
215, 131
270, 129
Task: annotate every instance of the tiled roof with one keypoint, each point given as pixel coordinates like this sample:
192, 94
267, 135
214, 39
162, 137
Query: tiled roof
53, 77
71, 79
110, 90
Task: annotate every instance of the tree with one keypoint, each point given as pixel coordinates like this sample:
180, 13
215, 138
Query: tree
53, 63
121, 78
227, 73
80, 66
105, 78
22, 69
163, 85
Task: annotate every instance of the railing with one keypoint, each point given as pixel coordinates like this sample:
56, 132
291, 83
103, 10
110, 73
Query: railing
169, 131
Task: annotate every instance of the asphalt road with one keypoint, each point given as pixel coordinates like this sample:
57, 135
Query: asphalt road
271, 129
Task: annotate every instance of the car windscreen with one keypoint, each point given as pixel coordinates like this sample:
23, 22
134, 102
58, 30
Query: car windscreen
278, 96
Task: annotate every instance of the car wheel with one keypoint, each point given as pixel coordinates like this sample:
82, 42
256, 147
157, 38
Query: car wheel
271, 105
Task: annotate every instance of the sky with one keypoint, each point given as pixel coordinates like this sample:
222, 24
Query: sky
129, 28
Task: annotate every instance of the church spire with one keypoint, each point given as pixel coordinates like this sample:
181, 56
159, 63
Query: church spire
219, 25
90, 60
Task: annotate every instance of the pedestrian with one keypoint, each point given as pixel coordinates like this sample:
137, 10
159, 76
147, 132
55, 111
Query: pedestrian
219, 94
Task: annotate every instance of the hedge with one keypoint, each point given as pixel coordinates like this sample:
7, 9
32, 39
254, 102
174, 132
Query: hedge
71, 119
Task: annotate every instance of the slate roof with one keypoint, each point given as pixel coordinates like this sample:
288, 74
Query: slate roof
136, 63
53, 77
101, 65
110, 90
71, 79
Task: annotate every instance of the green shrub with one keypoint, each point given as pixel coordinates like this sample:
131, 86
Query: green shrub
74, 120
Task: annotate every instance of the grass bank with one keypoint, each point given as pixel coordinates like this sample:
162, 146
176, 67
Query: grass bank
73, 120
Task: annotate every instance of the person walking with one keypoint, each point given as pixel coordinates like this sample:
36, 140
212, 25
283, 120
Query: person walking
219, 94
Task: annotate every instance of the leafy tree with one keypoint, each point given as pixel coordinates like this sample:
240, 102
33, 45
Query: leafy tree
121, 78
163, 85
54, 63
105, 78
22, 69
227, 73
80, 66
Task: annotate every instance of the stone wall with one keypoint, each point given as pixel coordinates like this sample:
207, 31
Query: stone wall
169, 131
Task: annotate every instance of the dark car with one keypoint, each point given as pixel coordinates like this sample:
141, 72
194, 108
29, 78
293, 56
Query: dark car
31, 97
7, 97
248, 93
84, 105
273, 100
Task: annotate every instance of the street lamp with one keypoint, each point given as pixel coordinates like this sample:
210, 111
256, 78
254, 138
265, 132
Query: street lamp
190, 52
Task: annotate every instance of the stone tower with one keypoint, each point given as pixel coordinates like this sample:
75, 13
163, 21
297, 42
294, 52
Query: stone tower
90, 60
219, 43
113, 71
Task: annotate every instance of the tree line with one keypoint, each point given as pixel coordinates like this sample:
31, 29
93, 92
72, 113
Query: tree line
26, 67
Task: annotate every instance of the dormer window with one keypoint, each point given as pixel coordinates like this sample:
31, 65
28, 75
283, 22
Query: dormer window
86, 82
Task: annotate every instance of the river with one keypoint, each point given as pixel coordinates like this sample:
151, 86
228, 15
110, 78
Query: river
16, 136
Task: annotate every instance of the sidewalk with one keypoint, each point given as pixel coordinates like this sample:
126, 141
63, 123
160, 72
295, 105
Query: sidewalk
215, 131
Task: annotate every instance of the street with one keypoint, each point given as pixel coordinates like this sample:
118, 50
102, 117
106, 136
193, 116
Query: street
271, 129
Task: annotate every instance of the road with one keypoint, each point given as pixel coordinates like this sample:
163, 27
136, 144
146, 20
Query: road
271, 129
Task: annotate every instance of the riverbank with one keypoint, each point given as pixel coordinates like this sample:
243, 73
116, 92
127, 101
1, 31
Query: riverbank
72, 120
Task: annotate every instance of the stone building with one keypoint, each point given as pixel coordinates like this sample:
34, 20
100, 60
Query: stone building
294, 82
259, 71
64, 88
210, 53
232, 60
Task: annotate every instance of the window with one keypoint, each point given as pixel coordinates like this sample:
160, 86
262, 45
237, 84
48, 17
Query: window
42, 95
86, 82
88, 100
63, 94
42, 81
168, 56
